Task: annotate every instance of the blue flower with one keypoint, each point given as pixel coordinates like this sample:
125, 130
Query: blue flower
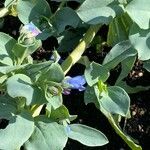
30, 30
76, 82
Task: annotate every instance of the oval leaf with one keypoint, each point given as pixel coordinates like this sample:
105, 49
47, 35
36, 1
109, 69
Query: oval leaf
20, 85
17, 132
140, 39
116, 100
87, 135
139, 12
29, 10
118, 53
6, 45
64, 17
95, 72
96, 11
47, 135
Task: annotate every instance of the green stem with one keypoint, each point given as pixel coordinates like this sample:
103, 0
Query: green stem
74, 56
36, 110
126, 138
118, 130
61, 5
79, 50
4, 12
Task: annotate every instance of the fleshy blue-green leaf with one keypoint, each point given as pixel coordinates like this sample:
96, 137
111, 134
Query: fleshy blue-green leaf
69, 40
132, 90
32, 10
80, 1
90, 96
139, 12
17, 132
95, 72
66, 17
8, 107
21, 85
55, 101
146, 65
119, 29
6, 45
7, 69
126, 66
53, 73
47, 135
96, 11
140, 39
60, 113
35, 70
118, 53
115, 100
87, 135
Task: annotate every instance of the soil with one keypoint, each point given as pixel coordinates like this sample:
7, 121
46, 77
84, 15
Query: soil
138, 126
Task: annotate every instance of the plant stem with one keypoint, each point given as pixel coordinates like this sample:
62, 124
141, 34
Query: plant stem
79, 50
75, 56
4, 12
61, 5
37, 110
118, 130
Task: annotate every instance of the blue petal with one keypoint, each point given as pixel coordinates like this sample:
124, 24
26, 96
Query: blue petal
31, 28
77, 82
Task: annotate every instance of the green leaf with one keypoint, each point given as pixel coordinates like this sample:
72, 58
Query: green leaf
119, 29
47, 135
69, 40
8, 2
146, 65
8, 107
64, 17
118, 53
140, 40
53, 73
32, 10
139, 12
90, 97
116, 100
55, 101
21, 85
95, 72
18, 131
80, 1
132, 90
35, 70
123, 135
23, 51
95, 11
19, 52
126, 65
6, 45
87, 135
7, 69
60, 113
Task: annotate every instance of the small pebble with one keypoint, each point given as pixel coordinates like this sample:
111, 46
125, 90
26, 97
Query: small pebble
133, 113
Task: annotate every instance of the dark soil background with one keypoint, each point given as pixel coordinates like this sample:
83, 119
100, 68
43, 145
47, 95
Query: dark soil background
137, 127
